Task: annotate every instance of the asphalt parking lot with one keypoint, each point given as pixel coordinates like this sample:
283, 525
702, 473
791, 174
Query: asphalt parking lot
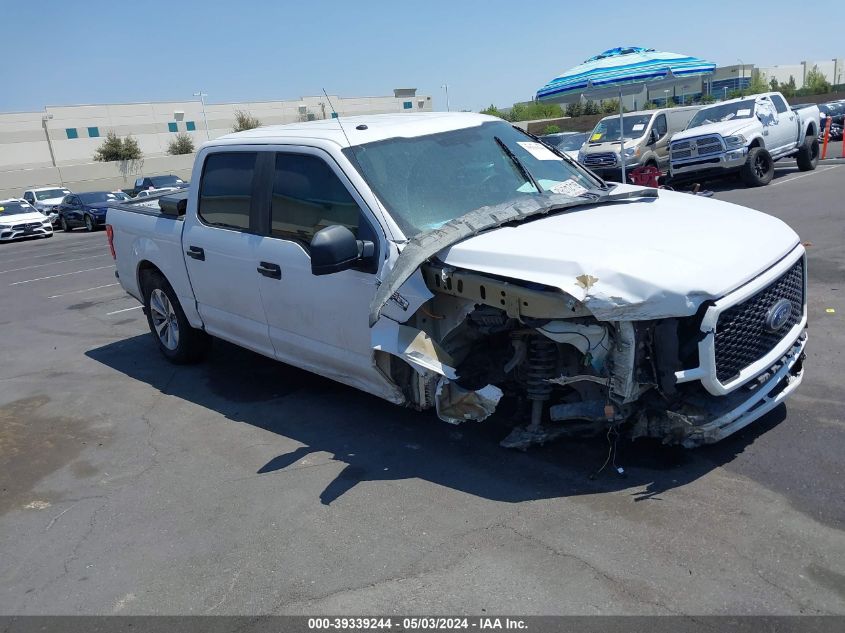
243, 486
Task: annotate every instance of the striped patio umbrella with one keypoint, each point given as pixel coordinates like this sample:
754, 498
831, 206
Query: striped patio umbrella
620, 71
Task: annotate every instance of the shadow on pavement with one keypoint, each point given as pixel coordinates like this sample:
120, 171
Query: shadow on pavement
380, 441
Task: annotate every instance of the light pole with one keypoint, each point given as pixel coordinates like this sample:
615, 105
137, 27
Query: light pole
742, 73
446, 88
44, 119
726, 94
666, 98
202, 96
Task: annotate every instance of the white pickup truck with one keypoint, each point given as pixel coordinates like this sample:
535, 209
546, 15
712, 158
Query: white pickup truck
745, 136
451, 261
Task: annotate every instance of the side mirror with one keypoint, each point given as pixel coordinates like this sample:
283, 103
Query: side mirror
653, 137
335, 248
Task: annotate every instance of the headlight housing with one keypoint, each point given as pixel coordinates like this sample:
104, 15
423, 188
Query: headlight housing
631, 152
736, 141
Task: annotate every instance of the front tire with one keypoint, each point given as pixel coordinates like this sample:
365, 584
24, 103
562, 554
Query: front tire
759, 168
808, 156
89, 224
65, 226
178, 342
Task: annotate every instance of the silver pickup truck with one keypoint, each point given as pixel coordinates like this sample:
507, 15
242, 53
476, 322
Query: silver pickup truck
745, 136
453, 262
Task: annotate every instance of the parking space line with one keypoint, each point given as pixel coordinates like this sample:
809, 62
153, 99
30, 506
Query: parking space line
73, 292
75, 251
809, 173
61, 261
124, 310
75, 272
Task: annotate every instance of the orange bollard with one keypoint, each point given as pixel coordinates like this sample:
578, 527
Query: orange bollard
826, 137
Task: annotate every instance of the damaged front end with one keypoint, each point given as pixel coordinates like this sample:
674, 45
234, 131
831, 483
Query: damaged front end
478, 339
581, 362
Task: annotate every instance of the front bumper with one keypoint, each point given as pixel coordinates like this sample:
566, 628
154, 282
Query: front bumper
9, 234
713, 164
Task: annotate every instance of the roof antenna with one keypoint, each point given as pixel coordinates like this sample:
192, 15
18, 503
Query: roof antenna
337, 117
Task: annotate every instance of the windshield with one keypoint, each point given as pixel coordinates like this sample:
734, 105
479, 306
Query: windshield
723, 112
607, 130
93, 197
120, 195
15, 208
426, 181
49, 194
165, 181
566, 142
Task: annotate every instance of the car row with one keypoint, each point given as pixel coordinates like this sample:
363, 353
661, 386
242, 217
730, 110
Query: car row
68, 210
743, 137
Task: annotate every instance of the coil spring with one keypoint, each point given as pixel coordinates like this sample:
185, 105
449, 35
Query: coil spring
540, 366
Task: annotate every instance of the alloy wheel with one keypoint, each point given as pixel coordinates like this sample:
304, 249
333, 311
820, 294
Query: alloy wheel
164, 319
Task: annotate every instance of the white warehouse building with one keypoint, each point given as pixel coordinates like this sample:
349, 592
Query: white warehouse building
57, 145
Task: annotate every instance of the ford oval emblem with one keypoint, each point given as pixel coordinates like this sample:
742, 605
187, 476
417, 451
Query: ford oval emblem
778, 315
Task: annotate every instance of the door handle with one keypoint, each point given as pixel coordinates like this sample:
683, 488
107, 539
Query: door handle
196, 253
267, 269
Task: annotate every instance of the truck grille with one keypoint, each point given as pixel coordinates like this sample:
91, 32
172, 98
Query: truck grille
604, 159
741, 334
698, 146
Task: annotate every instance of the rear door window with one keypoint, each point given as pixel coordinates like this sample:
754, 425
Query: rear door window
780, 104
226, 186
308, 196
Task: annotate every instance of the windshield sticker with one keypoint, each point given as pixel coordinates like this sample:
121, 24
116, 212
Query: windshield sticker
2, 209
569, 188
638, 127
743, 112
538, 150
596, 136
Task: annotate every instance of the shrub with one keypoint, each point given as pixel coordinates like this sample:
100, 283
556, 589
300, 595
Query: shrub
114, 148
551, 129
244, 121
182, 143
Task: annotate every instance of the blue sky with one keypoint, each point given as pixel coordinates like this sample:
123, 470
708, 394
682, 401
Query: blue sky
488, 52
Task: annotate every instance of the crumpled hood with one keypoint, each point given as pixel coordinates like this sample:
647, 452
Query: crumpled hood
20, 218
634, 260
725, 128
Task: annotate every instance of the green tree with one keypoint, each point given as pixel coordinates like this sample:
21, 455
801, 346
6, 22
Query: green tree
757, 85
610, 106
182, 143
244, 121
574, 109
114, 148
734, 94
551, 129
788, 89
494, 111
650, 105
773, 85
708, 99
591, 108
815, 82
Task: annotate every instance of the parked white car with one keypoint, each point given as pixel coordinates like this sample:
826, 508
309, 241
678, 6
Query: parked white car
447, 261
47, 200
746, 136
19, 219
148, 193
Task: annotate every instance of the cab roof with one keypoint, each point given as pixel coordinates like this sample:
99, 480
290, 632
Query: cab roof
358, 129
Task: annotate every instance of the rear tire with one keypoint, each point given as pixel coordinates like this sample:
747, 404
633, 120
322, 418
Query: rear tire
178, 342
808, 156
759, 168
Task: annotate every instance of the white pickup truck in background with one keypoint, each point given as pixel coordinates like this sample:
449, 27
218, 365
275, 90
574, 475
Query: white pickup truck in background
451, 262
745, 136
